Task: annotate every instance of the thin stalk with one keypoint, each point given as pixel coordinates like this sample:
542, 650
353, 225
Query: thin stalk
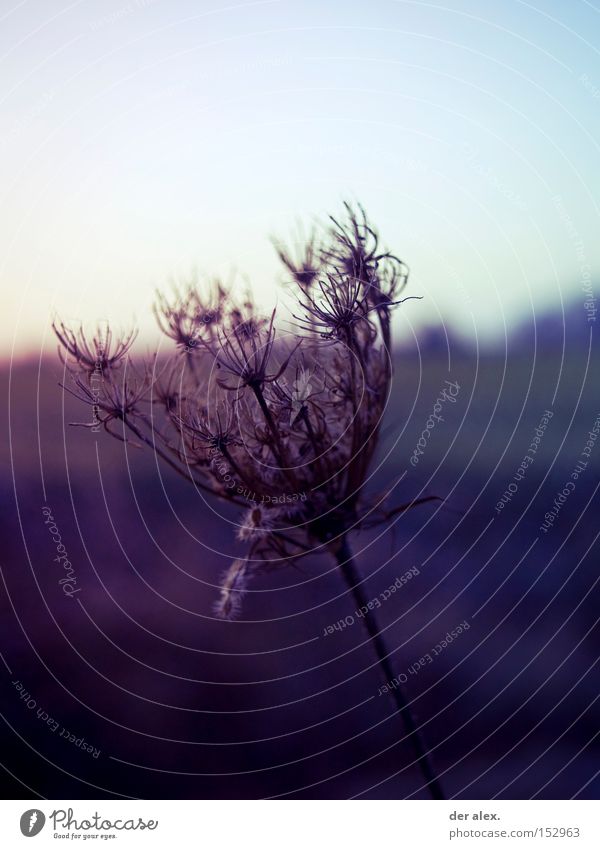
192, 366
278, 448
230, 459
353, 580
313, 440
269, 420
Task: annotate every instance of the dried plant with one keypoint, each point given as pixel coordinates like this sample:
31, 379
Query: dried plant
284, 425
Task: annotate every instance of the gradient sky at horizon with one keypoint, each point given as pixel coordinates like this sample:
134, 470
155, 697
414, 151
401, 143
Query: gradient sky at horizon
140, 139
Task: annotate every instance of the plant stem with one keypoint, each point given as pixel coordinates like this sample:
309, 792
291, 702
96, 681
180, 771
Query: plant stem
353, 580
280, 452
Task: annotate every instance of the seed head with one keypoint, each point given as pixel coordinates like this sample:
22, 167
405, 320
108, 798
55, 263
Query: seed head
284, 428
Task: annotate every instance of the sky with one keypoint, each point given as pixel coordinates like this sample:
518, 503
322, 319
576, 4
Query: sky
140, 140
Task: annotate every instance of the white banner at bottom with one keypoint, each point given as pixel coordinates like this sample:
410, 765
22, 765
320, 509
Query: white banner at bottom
298, 824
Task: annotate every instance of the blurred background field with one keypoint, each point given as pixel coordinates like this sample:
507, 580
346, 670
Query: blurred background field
181, 705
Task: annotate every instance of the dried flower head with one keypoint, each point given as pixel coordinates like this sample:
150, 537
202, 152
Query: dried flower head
101, 354
303, 262
286, 428
186, 317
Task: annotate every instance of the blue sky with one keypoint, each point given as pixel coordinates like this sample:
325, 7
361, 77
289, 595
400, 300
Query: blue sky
140, 139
